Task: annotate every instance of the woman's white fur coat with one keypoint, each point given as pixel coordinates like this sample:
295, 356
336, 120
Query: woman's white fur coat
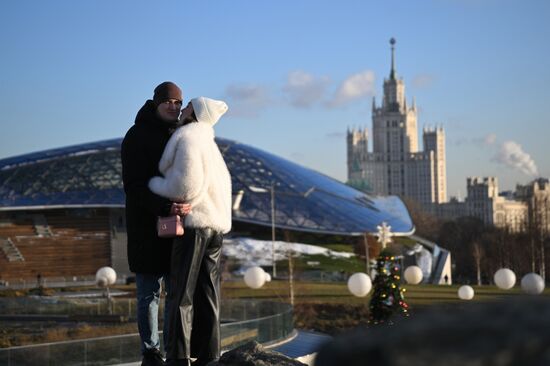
195, 172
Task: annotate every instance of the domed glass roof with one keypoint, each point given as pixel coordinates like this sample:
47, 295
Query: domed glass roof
89, 175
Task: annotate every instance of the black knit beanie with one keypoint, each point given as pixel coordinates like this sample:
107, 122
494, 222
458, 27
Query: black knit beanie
165, 91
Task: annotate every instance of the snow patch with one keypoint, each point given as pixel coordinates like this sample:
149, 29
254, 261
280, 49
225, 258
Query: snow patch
252, 252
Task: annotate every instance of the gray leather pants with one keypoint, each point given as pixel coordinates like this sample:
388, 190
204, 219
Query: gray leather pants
194, 319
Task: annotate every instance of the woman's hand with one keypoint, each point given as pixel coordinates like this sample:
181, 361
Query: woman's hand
180, 209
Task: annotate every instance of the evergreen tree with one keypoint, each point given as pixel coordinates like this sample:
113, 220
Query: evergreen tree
388, 297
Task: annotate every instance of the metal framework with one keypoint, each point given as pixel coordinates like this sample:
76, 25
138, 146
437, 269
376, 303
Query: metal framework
89, 175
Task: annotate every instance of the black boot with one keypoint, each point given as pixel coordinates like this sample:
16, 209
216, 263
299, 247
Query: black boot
152, 357
200, 362
179, 362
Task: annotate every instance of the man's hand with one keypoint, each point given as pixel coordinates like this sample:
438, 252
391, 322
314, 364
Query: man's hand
181, 209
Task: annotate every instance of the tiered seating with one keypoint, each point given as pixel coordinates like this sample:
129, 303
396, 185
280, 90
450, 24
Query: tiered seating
22, 226
78, 246
10, 250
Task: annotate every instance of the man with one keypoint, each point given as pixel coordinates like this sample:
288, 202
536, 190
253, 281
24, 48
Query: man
194, 171
149, 255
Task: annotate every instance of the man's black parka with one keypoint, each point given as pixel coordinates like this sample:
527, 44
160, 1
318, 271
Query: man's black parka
141, 151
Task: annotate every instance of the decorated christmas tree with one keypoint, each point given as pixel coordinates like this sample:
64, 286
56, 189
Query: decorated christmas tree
388, 296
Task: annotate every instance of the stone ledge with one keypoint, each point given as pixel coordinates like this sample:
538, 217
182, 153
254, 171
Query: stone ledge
507, 332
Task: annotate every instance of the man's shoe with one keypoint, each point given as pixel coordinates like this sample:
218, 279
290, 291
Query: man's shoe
152, 357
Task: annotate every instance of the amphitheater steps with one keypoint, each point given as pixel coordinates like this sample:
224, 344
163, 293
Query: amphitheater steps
69, 246
11, 251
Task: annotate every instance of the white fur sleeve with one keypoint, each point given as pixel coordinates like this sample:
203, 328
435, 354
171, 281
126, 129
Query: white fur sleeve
184, 180
158, 185
189, 171
169, 153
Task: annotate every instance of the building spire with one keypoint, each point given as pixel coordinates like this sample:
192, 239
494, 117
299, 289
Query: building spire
392, 72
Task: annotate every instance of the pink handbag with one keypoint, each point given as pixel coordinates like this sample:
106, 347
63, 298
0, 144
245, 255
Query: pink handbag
169, 227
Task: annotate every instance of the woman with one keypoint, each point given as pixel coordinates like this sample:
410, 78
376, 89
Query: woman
195, 173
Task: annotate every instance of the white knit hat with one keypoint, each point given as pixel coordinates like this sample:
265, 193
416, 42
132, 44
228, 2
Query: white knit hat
208, 110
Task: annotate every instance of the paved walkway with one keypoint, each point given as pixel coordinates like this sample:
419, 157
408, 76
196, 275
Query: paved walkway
305, 343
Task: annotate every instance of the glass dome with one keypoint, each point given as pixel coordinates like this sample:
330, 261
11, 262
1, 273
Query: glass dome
89, 175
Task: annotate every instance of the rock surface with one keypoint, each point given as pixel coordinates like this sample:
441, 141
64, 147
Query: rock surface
508, 332
253, 354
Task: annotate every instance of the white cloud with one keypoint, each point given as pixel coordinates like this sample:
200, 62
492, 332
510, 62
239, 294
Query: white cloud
246, 100
354, 87
512, 155
304, 89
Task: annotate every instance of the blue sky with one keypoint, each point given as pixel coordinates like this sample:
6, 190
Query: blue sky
295, 73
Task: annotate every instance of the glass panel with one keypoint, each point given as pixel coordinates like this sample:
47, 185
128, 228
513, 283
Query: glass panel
243, 321
306, 200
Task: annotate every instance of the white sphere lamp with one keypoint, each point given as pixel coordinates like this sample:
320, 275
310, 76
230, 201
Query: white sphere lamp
255, 277
532, 284
466, 292
359, 284
413, 275
505, 278
105, 276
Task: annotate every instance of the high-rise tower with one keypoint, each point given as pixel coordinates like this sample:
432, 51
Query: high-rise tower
434, 140
393, 124
357, 142
396, 166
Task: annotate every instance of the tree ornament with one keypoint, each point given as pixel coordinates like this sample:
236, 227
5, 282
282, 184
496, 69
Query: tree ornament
384, 235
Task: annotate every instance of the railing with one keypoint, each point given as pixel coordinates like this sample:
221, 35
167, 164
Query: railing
53, 282
90, 304
242, 321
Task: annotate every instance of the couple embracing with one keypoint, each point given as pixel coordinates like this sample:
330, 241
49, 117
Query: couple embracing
171, 165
